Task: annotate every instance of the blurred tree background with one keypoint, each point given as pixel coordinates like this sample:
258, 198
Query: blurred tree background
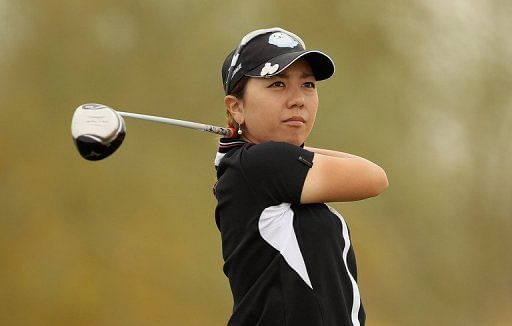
422, 87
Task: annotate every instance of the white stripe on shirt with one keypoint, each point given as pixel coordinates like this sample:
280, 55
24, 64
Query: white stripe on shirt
356, 301
276, 228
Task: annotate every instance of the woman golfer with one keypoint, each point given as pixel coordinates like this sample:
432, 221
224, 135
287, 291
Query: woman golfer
288, 255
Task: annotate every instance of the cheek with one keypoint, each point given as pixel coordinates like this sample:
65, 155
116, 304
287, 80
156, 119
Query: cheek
261, 119
313, 117
260, 111
312, 106
314, 101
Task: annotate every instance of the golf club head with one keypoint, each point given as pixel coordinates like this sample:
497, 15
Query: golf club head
97, 131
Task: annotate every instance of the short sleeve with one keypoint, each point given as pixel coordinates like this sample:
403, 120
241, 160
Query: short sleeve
276, 171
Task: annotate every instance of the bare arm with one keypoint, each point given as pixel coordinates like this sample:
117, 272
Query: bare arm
338, 176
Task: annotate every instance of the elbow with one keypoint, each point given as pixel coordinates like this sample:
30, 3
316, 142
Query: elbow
380, 182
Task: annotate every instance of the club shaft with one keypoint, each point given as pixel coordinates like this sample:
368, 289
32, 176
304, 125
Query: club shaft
227, 132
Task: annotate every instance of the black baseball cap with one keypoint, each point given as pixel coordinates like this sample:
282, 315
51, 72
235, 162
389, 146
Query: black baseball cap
267, 52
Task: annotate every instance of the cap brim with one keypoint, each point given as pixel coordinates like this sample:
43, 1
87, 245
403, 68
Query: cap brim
321, 64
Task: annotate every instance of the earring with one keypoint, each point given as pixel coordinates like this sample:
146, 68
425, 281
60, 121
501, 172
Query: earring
239, 129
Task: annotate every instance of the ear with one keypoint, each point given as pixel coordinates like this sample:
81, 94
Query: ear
235, 107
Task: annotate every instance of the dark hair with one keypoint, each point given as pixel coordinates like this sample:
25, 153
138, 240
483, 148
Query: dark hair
238, 91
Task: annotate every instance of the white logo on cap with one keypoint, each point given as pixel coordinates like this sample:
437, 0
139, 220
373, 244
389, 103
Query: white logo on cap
269, 69
282, 40
237, 68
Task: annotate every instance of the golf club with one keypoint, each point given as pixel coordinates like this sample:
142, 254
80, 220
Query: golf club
99, 130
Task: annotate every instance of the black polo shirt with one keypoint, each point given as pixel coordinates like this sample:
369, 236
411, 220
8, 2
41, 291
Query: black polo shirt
287, 263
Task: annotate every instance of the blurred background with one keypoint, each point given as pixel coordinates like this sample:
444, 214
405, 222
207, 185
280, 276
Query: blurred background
422, 87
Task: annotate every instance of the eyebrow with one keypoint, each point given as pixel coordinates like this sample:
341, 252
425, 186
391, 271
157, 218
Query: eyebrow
284, 74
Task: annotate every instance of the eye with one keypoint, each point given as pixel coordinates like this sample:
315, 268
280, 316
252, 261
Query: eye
310, 85
277, 84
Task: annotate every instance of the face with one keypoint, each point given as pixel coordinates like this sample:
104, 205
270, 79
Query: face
280, 108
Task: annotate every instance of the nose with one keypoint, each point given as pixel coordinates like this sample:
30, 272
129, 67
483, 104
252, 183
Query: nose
296, 98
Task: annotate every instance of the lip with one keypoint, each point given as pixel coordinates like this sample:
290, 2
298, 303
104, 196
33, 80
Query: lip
295, 121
